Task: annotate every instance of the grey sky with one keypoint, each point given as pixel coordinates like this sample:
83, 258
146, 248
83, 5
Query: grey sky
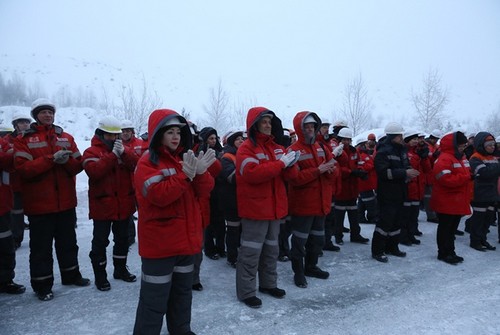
286, 55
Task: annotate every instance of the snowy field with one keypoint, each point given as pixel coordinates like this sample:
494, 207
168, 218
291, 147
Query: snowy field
414, 295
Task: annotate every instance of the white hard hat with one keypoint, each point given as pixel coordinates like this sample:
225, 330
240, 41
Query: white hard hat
174, 121
410, 133
436, 133
309, 119
41, 104
360, 140
110, 124
127, 124
345, 133
340, 123
20, 116
325, 121
393, 128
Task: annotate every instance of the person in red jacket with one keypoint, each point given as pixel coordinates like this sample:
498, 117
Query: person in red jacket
450, 193
20, 122
345, 201
109, 165
138, 147
309, 198
418, 157
169, 181
261, 168
7, 249
367, 201
48, 160
434, 152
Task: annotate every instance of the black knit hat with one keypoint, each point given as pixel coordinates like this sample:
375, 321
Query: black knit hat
461, 138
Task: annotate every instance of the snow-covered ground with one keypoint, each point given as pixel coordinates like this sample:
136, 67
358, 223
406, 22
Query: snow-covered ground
414, 295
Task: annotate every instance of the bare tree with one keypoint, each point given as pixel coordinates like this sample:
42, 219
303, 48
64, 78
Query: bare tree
492, 122
217, 114
356, 105
239, 112
430, 102
137, 108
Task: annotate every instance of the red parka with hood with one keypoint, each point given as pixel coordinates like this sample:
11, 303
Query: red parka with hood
260, 174
310, 193
452, 187
170, 221
111, 193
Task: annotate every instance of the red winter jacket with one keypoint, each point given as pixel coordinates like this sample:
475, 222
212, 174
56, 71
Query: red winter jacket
260, 185
111, 193
47, 187
367, 163
136, 145
451, 189
310, 193
348, 161
416, 185
168, 203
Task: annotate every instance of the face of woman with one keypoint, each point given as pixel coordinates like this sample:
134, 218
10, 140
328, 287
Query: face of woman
171, 138
211, 141
238, 141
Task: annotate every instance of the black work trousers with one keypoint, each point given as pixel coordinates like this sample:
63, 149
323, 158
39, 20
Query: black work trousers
165, 290
445, 237
100, 239
387, 229
45, 229
7, 251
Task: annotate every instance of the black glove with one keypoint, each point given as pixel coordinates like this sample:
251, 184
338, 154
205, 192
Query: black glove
423, 152
360, 174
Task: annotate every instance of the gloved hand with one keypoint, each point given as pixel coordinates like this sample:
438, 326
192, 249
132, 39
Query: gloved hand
205, 160
423, 151
359, 173
62, 156
288, 158
436, 154
118, 148
189, 163
296, 159
337, 151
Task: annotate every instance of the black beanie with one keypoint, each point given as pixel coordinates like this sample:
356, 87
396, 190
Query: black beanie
461, 138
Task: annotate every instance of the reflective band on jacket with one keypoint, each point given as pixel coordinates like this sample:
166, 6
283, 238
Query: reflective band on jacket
92, 159
394, 158
24, 155
346, 208
246, 161
442, 173
389, 174
36, 145
157, 179
305, 156
479, 167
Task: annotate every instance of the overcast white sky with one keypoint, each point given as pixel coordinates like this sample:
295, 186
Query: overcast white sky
286, 55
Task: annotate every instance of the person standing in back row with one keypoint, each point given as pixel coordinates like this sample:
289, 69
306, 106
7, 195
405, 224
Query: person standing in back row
48, 161
450, 193
261, 168
109, 166
393, 172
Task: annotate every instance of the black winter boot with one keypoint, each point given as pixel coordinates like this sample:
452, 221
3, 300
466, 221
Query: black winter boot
312, 269
298, 269
101, 277
121, 270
